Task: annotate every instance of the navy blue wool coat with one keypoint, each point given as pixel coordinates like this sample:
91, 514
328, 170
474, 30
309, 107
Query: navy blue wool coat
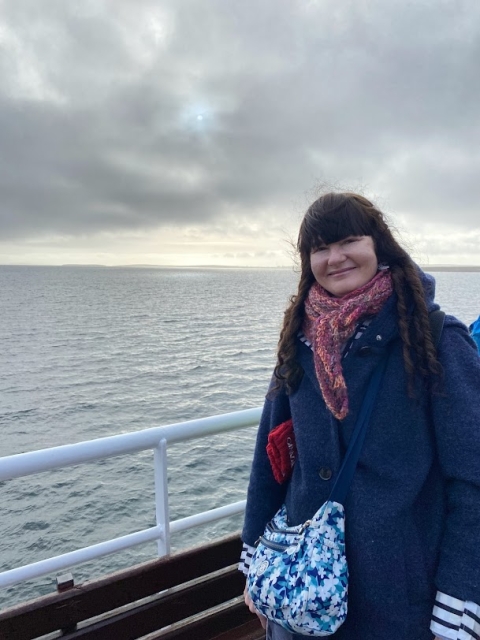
413, 510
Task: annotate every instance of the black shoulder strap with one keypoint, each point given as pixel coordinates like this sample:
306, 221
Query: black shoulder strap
349, 464
345, 475
437, 318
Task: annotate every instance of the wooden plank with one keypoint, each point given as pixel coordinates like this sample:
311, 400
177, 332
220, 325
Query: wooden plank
166, 610
62, 611
251, 630
233, 623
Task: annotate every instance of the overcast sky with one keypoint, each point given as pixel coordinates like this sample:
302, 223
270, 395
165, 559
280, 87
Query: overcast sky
197, 131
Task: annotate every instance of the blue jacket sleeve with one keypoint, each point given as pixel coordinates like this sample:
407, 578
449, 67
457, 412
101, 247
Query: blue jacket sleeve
456, 416
265, 494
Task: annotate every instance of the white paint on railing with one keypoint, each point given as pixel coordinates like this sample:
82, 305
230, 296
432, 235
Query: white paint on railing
207, 516
25, 464
58, 563
157, 439
161, 496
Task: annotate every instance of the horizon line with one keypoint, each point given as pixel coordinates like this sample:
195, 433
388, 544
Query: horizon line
426, 267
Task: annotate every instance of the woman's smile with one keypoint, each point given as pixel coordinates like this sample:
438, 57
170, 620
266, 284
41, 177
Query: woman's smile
340, 272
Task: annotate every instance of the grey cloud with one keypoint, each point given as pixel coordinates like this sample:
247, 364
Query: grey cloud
288, 93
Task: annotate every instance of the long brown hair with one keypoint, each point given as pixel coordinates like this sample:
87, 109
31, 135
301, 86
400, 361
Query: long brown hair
331, 218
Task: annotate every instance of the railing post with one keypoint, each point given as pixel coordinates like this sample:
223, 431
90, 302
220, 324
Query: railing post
161, 496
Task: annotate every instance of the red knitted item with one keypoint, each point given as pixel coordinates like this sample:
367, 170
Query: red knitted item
282, 451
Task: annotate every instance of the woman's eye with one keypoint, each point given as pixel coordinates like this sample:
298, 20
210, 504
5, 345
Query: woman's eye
350, 240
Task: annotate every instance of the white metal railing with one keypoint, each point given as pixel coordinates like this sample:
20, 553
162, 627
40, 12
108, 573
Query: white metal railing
157, 438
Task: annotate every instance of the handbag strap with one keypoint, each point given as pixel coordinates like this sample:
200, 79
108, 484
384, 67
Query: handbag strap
345, 475
437, 320
349, 464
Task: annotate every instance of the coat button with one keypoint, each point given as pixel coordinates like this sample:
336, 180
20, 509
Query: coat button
364, 351
325, 473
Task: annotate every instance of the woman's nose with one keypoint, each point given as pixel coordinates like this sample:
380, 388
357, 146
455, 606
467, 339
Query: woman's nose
336, 254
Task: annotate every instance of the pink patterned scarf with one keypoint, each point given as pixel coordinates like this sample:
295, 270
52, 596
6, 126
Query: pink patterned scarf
329, 323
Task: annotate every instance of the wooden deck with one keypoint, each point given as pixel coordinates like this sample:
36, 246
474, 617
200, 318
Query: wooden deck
191, 595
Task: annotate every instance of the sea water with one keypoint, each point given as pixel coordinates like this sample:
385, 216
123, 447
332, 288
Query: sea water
92, 352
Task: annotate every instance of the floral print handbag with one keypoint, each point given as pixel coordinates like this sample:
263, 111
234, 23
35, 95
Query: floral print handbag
298, 576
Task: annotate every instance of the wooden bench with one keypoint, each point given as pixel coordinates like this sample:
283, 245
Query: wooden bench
191, 595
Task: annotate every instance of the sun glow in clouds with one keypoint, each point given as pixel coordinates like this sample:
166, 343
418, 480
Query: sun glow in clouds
197, 117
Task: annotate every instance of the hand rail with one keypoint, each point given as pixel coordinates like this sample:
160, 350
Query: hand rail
24, 464
156, 438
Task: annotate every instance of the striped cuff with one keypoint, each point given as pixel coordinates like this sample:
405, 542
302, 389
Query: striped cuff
246, 558
454, 619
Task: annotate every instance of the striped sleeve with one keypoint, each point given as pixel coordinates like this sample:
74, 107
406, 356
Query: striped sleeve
454, 619
246, 558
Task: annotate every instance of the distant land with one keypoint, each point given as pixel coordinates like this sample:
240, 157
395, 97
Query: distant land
425, 267
170, 266
449, 267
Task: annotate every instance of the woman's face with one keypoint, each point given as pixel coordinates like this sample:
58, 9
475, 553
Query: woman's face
342, 267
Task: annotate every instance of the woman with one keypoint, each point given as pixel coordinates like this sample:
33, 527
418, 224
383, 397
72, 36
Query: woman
413, 509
